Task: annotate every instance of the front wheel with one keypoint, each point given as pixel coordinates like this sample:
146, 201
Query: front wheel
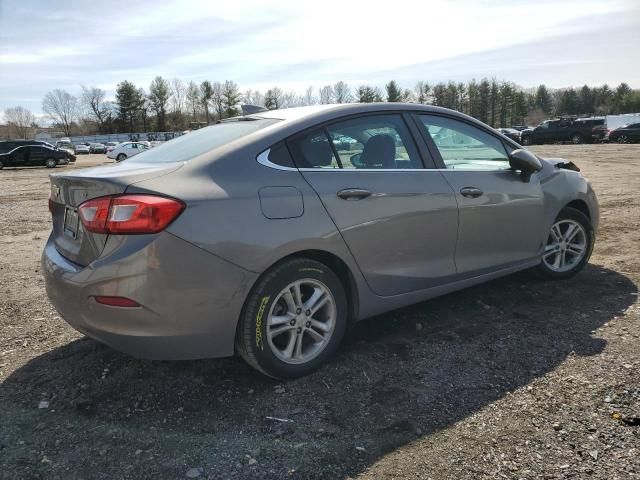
623, 139
50, 163
121, 157
293, 319
569, 245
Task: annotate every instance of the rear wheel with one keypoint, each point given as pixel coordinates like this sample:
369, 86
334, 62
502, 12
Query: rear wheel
569, 245
121, 157
576, 139
526, 141
623, 139
50, 162
293, 320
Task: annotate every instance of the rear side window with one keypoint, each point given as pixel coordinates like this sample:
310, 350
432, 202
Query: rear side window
374, 142
370, 142
313, 150
279, 155
201, 141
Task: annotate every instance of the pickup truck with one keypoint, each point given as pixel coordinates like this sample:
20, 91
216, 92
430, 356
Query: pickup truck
580, 130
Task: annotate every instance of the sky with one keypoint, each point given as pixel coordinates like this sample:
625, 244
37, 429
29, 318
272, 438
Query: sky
49, 44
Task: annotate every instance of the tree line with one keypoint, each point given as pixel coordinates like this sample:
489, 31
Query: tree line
172, 104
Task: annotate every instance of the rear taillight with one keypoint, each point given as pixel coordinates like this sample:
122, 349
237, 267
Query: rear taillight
129, 214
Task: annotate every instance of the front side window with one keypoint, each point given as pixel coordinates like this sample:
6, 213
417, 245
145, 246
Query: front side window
464, 146
374, 142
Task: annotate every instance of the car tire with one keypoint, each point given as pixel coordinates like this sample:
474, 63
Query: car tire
50, 163
526, 141
623, 139
576, 139
560, 258
121, 157
272, 303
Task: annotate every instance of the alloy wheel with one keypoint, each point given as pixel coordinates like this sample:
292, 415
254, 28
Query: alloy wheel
623, 139
301, 321
566, 246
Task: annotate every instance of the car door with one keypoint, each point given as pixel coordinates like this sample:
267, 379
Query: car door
634, 132
37, 155
501, 217
398, 219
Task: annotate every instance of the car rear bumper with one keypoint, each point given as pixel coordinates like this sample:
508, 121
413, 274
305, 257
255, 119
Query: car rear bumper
190, 299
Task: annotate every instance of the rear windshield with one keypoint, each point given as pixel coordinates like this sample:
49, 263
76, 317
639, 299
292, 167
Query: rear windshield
201, 141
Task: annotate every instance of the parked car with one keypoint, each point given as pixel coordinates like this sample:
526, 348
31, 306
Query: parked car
520, 127
626, 134
67, 147
512, 133
97, 148
125, 150
256, 235
572, 130
83, 149
111, 145
156, 143
18, 153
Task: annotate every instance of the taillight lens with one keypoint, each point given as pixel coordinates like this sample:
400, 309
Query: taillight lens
129, 214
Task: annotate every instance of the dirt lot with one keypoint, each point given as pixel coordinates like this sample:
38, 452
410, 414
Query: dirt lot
513, 379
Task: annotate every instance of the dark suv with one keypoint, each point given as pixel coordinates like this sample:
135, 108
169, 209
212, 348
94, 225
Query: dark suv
19, 153
574, 130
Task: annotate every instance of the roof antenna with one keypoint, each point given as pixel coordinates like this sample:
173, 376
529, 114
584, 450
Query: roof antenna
251, 109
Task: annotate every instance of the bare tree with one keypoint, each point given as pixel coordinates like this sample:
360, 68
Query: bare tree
217, 98
274, 98
178, 91
20, 120
422, 91
206, 92
341, 92
253, 97
62, 108
309, 97
325, 94
193, 98
94, 104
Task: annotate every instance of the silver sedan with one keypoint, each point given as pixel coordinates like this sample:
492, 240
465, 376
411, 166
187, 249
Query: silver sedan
263, 236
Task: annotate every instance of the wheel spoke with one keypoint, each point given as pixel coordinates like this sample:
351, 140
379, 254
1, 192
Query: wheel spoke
571, 230
298, 349
320, 325
280, 330
315, 296
556, 234
297, 296
280, 319
321, 303
317, 337
557, 260
576, 249
288, 352
291, 303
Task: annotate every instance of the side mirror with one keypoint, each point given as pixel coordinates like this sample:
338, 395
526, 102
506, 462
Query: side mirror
526, 162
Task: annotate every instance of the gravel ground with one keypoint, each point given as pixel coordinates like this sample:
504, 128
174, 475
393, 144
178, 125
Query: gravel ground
513, 379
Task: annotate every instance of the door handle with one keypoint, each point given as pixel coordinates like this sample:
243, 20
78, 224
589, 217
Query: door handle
353, 194
471, 192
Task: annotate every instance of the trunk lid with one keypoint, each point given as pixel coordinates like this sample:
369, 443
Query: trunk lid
69, 190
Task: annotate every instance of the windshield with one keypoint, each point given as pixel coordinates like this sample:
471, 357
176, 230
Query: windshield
201, 141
